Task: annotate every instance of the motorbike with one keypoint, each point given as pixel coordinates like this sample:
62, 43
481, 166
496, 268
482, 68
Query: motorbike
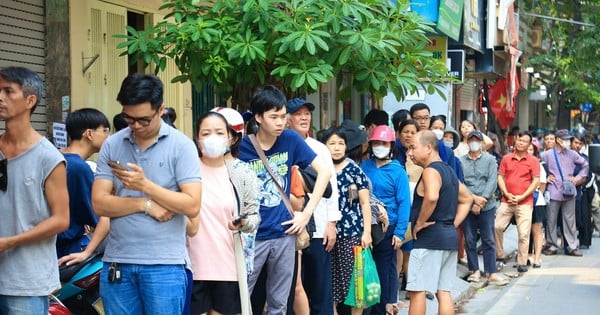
80, 292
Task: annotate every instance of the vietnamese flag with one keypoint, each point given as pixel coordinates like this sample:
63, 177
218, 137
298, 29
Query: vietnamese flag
498, 100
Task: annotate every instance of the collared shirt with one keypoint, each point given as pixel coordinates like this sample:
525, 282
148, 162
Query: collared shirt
518, 174
481, 177
171, 161
567, 159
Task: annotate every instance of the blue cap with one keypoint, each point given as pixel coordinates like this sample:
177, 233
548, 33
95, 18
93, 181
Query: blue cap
475, 133
296, 103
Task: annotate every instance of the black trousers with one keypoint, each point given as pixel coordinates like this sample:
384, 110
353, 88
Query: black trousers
583, 210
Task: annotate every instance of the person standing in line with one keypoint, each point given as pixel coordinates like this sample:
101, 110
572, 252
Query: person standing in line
518, 177
354, 228
539, 211
565, 158
481, 178
33, 198
390, 185
87, 129
440, 203
316, 261
220, 283
276, 236
148, 177
585, 195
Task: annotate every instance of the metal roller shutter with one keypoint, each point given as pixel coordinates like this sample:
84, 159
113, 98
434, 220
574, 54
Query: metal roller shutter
22, 43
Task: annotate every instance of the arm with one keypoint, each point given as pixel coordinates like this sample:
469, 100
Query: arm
432, 183
192, 225
98, 236
403, 202
333, 212
365, 207
464, 204
250, 200
487, 143
58, 221
502, 186
581, 177
530, 189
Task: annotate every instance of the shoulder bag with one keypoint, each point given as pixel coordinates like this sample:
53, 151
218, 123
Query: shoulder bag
568, 188
302, 238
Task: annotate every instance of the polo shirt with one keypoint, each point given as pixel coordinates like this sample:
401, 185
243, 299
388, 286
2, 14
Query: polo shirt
518, 174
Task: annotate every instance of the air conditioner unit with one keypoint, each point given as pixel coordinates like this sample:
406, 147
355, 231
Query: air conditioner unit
536, 37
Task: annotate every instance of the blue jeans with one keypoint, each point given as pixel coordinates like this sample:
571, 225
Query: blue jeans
144, 289
10, 305
316, 278
485, 223
385, 260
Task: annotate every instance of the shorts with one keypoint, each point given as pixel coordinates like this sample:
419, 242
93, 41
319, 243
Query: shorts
431, 270
539, 214
221, 296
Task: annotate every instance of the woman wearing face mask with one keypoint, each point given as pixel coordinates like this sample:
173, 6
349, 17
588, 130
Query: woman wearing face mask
219, 285
390, 185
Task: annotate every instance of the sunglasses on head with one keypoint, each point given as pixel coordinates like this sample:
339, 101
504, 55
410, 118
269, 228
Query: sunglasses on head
3, 174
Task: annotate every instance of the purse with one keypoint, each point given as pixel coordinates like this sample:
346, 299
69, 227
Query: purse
302, 238
568, 188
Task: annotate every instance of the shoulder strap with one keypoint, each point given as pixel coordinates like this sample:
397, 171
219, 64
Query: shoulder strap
263, 158
558, 164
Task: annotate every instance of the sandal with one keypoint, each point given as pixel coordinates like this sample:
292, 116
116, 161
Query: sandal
474, 277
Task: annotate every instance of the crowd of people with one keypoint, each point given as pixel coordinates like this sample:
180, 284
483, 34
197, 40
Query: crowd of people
213, 227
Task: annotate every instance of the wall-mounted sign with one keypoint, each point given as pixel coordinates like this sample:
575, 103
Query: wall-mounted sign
473, 24
438, 46
450, 17
457, 63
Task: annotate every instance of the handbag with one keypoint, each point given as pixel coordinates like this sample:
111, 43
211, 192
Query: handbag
568, 188
377, 231
302, 238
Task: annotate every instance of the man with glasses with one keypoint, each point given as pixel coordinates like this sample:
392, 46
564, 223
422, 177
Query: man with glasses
147, 182
87, 128
33, 199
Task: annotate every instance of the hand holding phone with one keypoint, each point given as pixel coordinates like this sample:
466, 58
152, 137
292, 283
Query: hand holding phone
117, 165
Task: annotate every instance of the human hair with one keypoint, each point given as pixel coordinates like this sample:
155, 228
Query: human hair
30, 82
376, 117
548, 133
536, 151
462, 138
427, 137
525, 133
441, 118
266, 99
418, 106
119, 122
140, 88
407, 123
79, 121
398, 117
169, 116
216, 115
335, 131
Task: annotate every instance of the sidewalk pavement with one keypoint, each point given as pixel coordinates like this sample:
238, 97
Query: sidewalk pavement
462, 290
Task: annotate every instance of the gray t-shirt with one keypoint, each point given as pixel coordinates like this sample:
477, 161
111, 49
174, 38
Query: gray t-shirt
171, 161
32, 269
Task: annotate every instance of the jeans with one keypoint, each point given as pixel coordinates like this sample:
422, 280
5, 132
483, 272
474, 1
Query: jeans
16, 305
485, 223
144, 289
384, 256
316, 270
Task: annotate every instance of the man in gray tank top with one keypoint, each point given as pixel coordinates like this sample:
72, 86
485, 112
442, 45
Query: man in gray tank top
33, 199
147, 182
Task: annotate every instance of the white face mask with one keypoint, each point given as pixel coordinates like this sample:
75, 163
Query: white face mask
214, 146
439, 134
449, 144
381, 152
566, 144
475, 146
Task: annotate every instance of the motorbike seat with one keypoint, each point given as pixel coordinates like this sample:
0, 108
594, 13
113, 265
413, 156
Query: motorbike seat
67, 272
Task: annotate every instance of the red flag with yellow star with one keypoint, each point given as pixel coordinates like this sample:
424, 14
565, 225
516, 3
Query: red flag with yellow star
498, 100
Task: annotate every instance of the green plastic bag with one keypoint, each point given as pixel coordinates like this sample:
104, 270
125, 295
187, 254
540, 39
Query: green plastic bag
365, 289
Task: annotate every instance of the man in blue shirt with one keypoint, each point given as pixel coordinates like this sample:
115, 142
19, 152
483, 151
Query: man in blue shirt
275, 239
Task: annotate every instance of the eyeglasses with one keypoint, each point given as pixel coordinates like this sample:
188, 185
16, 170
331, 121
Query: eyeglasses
421, 118
106, 130
143, 121
3, 174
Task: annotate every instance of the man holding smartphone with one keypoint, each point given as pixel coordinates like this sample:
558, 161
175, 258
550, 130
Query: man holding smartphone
145, 257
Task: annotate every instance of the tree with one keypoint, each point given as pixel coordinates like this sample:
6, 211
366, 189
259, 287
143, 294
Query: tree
296, 45
568, 64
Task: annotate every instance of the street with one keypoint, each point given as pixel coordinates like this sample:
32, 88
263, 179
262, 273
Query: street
562, 285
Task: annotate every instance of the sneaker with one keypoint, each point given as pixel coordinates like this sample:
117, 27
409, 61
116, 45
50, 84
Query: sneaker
575, 253
500, 265
498, 281
522, 268
474, 277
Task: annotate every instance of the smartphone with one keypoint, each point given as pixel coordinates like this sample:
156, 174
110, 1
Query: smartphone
117, 165
239, 218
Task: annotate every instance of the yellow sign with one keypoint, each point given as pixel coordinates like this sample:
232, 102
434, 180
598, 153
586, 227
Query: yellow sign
439, 47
